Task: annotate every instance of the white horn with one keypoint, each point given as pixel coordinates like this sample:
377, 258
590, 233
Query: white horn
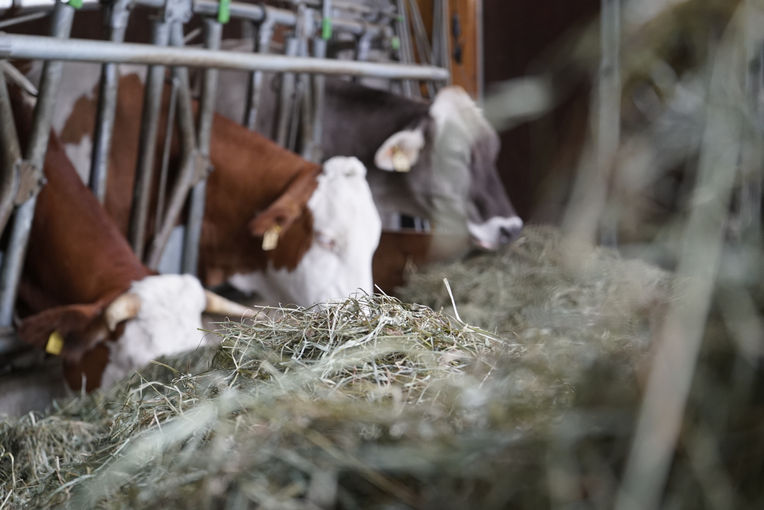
221, 306
121, 309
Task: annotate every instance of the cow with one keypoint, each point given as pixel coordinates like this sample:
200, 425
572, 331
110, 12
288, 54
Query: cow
84, 295
325, 213
427, 160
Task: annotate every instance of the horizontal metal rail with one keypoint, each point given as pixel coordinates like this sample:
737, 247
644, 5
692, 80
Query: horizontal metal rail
46, 48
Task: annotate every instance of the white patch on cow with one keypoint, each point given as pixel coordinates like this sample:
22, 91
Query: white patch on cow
400, 151
80, 154
495, 232
167, 323
454, 105
338, 263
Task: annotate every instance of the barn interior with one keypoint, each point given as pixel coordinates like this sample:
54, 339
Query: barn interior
608, 355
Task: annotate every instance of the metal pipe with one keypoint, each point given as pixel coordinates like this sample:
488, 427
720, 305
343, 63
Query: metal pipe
286, 101
164, 168
404, 53
37, 47
255, 85
117, 15
190, 166
22, 19
11, 154
238, 10
319, 92
144, 171
38, 142
213, 32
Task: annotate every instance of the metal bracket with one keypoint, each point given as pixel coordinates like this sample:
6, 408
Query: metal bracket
202, 166
117, 12
177, 10
31, 181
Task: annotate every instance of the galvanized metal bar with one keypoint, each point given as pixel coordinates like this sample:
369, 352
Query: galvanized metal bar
424, 50
213, 32
37, 47
255, 85
190, 165
22, 19
11, 156
165, 166
404, 52
117, 16
238, 10
286, 101
152, 100
35, 153
319, 92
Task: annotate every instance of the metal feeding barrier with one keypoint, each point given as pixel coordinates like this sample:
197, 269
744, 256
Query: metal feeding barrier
311, 25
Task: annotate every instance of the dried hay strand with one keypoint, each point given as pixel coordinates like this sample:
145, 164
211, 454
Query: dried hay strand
368, 403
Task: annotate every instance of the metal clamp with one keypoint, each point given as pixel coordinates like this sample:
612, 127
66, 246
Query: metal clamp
31, 181
178, 10
202, 166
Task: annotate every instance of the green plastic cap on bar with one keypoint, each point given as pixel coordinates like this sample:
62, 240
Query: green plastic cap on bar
326, 29
395, 43
224, 11
75, 3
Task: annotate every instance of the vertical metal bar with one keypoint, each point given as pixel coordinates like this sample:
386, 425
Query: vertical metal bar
190, 165
164, 169
608, 112
212, 34
422, 44
35, 154
287, 95
255, 85
405, 54
152, 100
117, 14
479, 52
319, 92
11, 155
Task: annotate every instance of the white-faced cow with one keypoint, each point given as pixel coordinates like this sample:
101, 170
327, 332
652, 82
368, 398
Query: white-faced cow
329, 225
84, 294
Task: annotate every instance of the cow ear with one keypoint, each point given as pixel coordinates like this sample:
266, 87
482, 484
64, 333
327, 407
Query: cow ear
66, 330
400, 151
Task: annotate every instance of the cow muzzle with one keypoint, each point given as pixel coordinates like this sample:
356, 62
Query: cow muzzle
496, 232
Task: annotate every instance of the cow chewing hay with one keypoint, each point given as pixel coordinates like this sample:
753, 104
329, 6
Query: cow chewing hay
375, 403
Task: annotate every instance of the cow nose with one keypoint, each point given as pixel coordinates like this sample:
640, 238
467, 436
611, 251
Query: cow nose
508, 233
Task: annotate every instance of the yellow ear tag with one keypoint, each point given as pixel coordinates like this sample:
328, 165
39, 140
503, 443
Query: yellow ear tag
400, 161
55, 344
271, 238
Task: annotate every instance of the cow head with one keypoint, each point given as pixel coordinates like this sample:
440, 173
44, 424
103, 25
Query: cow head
346, 230
104, 341
450, 159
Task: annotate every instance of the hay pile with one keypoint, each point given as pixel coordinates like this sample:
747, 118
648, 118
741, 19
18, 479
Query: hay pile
372, 403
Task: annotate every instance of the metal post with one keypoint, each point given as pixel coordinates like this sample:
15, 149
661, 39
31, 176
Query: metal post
190, 160
35, 154
117, 16
11, 154
405, 54
315, 153
254, 88
152, 100
213, 33
287, 96
166, 147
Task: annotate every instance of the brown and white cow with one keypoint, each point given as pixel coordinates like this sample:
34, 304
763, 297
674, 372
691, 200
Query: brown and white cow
84, 294
330, 227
